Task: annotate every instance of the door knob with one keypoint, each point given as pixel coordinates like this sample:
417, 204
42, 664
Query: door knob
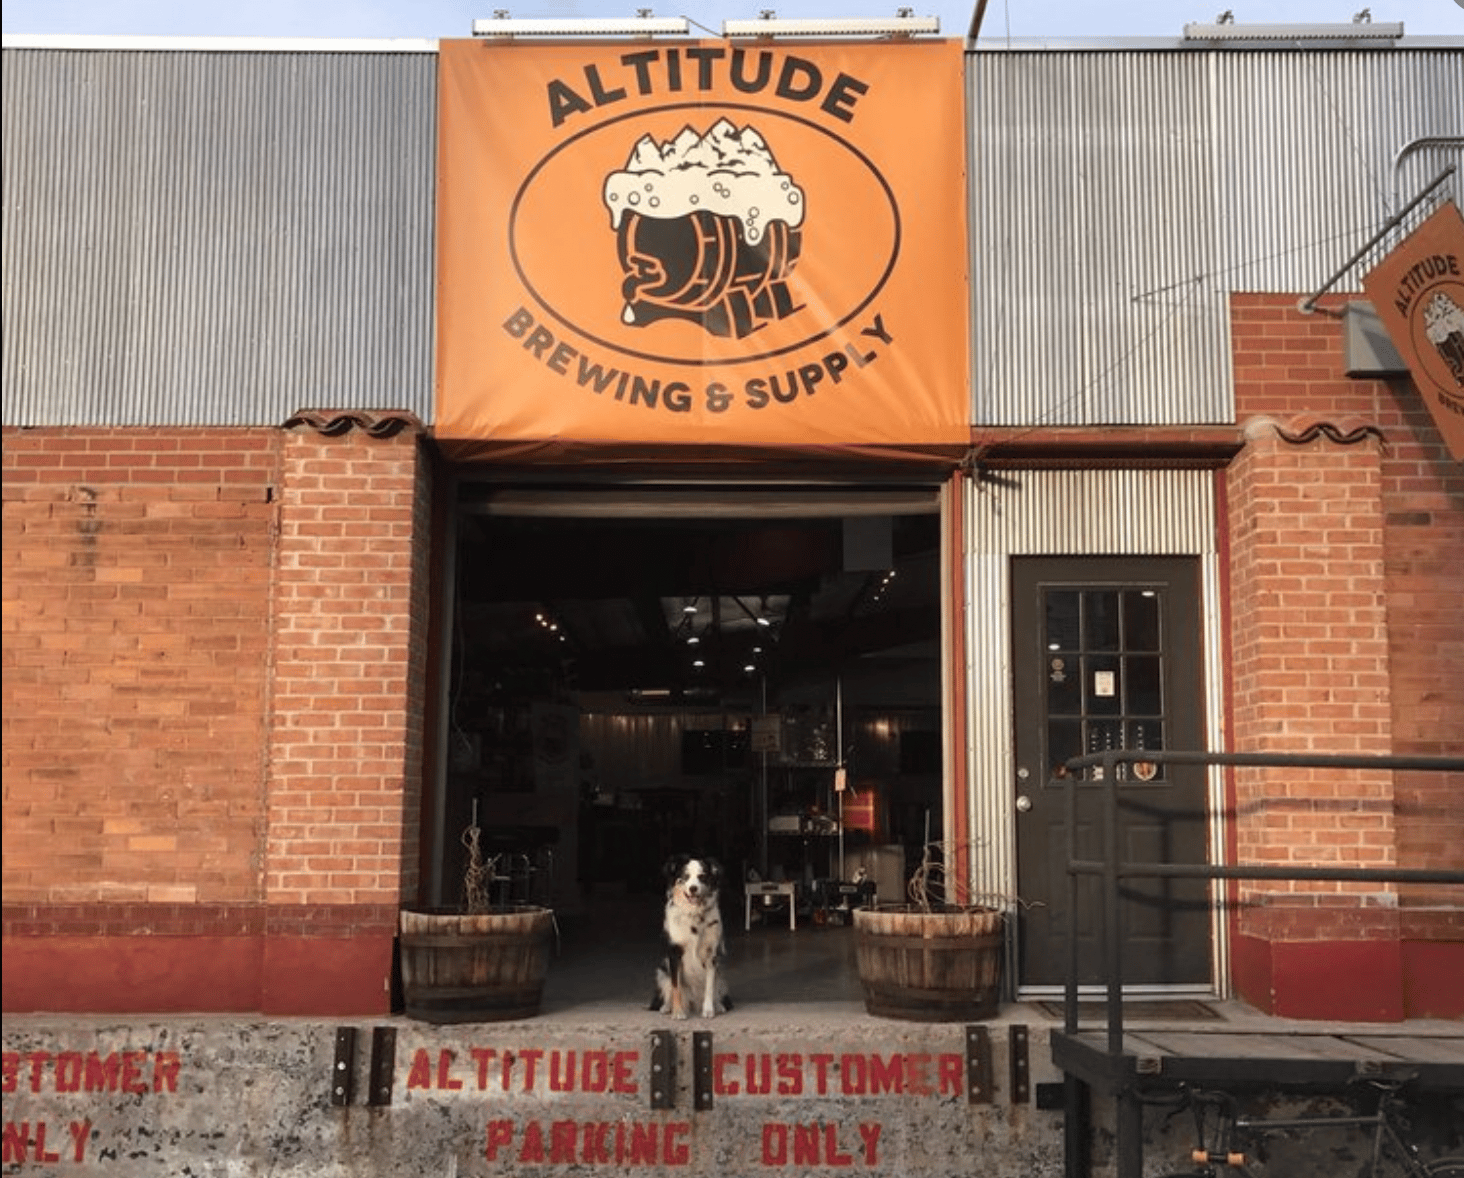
1024, 803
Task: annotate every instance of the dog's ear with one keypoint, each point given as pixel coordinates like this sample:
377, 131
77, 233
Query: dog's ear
714, 870
673, 867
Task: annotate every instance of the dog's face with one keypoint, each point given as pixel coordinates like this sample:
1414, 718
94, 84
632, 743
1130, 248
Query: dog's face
692, 878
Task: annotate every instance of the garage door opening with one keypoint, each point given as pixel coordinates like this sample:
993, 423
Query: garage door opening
753, 674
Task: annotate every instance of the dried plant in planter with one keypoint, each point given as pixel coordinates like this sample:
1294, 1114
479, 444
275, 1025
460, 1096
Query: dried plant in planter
931, 888
937, 958
478, 874
483, 963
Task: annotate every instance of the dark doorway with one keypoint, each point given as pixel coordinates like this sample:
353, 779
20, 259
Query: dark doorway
1106, 655
638, 672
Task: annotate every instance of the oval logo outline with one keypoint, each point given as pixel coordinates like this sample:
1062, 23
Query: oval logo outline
809, 340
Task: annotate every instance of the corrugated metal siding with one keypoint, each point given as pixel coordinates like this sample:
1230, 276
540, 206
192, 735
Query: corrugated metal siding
205, 238
1077, 513
1117, 199
216, 239
1092, 512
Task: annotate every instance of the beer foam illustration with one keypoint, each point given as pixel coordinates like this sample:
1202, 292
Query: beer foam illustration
1443, 325
1442, 318
727, 172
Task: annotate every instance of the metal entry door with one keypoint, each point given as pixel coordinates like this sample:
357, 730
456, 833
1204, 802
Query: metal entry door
1106, 654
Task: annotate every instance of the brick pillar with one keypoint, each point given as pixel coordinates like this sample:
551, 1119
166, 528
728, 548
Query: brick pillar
1288, 371
1310, 673
344, 779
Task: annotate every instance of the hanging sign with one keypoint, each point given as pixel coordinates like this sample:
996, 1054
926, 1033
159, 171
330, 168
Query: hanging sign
1418, 291
702, 242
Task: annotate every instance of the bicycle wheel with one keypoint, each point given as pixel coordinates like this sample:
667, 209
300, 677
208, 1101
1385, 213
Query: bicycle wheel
1446, 1168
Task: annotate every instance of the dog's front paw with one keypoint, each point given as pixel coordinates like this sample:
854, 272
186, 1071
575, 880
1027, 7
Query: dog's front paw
709, 1012
679, 1015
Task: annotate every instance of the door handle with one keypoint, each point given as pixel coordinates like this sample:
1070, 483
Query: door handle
1024, 803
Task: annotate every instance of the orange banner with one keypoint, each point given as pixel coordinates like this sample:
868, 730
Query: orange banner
1418, 291
702, 243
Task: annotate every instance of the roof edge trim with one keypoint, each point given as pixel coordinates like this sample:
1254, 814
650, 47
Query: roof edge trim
77, 41
995, 43
986, 44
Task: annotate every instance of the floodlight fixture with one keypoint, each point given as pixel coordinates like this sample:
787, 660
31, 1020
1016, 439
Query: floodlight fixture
904, 24
1354, 31
644, 25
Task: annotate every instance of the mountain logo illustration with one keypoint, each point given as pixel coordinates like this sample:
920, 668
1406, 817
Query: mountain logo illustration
708, 229
1443, 321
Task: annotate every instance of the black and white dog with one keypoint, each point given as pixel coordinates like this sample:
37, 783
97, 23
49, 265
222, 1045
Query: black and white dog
689, 973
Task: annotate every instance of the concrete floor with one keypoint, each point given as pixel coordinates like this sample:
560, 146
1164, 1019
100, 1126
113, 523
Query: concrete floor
604, 969
606, 963
603, 975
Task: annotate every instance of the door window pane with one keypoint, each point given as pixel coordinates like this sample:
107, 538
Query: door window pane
1064, 740
1101, 619
1104, 694
1145, 734
1064, 685
1062, 620
1141, 619
1142, 685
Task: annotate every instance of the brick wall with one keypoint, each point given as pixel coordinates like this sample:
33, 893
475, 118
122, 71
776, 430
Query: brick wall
136, 595
213, 689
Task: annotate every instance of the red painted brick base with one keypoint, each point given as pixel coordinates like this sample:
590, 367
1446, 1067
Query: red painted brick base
162, 975
317, 976
1433, 979
179, 975
174, 959
1350, 981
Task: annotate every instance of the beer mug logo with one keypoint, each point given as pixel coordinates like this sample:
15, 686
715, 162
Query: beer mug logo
708, 229
1443, 327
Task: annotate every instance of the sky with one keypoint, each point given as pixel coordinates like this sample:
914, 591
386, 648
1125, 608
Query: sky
1016, 19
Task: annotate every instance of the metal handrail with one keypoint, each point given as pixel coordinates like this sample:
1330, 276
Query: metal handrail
1112, 869
1308, 305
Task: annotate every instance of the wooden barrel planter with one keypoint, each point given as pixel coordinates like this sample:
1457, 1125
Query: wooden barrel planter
481, 967
932, 967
